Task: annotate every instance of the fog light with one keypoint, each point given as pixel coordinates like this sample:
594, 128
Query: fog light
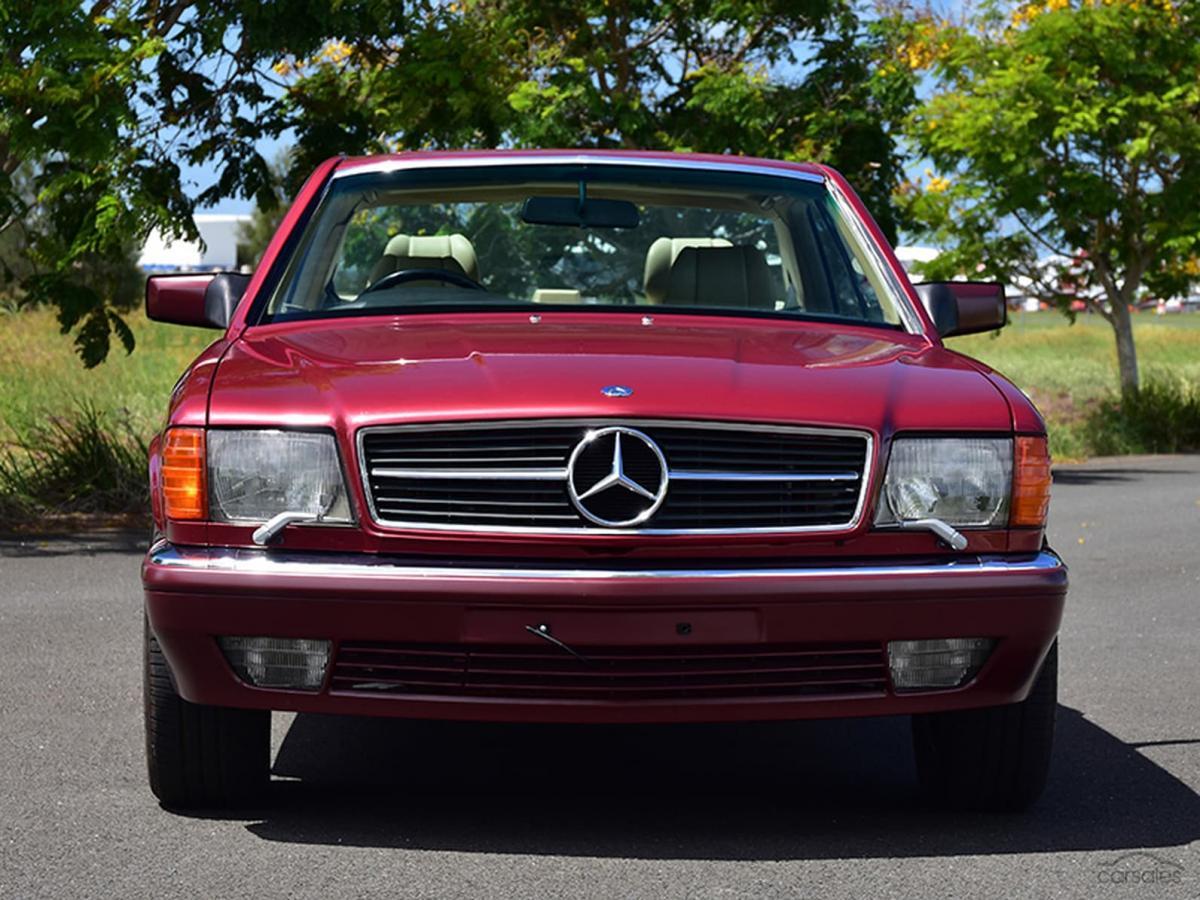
937, 663
297, 663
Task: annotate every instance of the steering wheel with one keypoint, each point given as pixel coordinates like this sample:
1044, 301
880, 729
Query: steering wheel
401, 276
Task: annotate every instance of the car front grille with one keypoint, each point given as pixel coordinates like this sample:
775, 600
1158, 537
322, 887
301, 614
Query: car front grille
513, 476
611, 673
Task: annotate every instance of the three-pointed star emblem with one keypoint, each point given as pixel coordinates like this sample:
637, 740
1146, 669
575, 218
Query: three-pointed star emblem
617, 477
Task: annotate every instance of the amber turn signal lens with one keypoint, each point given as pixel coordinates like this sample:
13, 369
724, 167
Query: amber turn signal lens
185, 494
1031, 482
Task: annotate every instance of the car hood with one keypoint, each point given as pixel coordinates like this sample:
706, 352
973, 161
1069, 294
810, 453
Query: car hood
347, 373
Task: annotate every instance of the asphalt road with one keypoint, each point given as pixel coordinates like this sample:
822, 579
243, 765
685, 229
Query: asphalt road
825, 809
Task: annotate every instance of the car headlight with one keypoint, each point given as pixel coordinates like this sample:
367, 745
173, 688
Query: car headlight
965, 482
256, 475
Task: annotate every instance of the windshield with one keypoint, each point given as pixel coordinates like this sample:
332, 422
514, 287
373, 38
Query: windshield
573, 236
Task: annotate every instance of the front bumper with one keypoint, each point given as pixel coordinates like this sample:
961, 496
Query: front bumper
194, 595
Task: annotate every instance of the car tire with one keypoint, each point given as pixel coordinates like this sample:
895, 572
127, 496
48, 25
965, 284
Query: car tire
201, 756
993, 759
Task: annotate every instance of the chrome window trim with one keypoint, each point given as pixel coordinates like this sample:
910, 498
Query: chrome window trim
866, 243
910, 318
240, 562
387, 166
868, 475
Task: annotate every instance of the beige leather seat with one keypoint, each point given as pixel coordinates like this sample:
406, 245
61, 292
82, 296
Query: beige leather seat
557, 295
707, 272
447, 252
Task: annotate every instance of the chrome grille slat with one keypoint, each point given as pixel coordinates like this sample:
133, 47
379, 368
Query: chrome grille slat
547, 517
443, 501
512, 476
818, 506
477, 486
744, 477
466, 461
530, 474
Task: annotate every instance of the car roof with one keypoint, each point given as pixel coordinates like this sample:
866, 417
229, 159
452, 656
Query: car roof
482, 157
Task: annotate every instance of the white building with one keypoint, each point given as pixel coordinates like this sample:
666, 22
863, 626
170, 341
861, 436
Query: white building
1018, 293
910, 256
217, 248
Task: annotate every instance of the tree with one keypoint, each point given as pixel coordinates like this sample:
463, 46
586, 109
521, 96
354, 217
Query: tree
102, 101
99, 104
789, 79
67, 163
1068, 128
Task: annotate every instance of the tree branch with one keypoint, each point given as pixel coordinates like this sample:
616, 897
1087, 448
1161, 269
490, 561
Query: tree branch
174, 13
652, 36
751, 39
1099, 309
1037, 236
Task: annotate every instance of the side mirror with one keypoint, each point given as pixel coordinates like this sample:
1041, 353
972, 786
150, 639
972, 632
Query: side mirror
964, 307
206, 300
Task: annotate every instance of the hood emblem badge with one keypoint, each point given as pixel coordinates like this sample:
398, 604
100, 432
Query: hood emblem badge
617, 477
617, 390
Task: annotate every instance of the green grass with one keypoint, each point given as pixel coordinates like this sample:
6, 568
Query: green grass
72, 439
1070, 372
85, 461
41, 377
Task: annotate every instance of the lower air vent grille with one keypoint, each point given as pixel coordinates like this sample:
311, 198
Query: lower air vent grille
611, 673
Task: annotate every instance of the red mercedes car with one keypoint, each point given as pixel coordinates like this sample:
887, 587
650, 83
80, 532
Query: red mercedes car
594, 437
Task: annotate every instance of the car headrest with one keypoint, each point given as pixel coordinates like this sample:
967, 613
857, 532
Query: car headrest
448, 252
662, 255
557, 295
707, 272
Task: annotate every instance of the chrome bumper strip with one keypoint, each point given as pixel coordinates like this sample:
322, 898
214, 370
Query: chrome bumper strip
360, 565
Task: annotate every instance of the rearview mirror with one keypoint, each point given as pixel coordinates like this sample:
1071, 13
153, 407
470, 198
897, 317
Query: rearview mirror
964, 307
580, 212
205, 300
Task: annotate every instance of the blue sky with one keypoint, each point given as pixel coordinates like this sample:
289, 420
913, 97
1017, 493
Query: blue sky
197, 178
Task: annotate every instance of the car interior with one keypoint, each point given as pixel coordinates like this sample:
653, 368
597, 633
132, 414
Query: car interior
690, 271
648, 246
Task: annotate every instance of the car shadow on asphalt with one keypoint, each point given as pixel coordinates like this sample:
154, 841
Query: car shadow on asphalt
828, 789
1085, 476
